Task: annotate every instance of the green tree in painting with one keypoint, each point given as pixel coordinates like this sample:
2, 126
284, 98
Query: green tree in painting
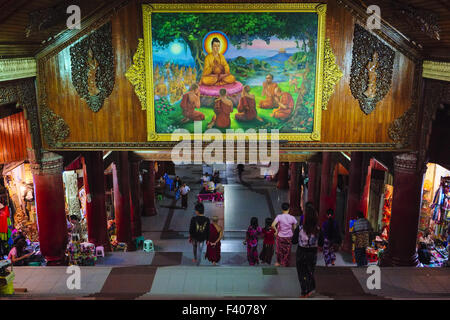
241, 28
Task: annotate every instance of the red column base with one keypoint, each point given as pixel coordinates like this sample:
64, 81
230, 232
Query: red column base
388, 261
56, 261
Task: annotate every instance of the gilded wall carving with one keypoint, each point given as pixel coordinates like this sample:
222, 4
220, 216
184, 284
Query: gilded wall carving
402, 130
136, 74
54, 128
92, 63
371, 71
331, 74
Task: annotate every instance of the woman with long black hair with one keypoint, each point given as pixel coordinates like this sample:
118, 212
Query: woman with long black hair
332, 238
308, 236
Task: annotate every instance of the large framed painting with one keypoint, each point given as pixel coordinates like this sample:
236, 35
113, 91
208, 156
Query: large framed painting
234, 66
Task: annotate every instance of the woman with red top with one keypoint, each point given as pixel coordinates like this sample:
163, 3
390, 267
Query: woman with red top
269, 240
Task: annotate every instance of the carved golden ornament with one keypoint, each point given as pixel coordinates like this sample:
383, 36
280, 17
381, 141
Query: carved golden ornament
54, 128
331, 74
136, 74
315, 136
403, 128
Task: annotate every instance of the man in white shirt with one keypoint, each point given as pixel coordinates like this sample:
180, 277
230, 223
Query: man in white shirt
206, 177
184, 190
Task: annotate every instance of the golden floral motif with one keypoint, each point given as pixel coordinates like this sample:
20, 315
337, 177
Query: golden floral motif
136, 74
331, 74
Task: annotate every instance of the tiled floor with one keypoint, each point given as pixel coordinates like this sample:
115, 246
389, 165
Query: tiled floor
205, 282
170, 273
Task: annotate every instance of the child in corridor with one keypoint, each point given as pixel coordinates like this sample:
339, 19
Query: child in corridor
269, 240
251, 240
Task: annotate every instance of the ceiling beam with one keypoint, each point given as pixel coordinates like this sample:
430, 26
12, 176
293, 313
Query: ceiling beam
9, 7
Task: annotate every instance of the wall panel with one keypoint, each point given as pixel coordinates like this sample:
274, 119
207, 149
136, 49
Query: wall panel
14, 138
121, 119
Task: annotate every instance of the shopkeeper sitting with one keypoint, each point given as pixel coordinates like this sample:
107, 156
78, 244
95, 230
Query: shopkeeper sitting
18, 255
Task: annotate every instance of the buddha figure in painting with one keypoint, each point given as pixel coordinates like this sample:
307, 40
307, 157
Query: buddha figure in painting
216, 71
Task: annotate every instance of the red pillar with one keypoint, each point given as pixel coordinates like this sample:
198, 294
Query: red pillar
94, 183
283, 174
294, 190
121, 184
354, 194
50, 207
328, 185
148, 186
135, 208
406, 202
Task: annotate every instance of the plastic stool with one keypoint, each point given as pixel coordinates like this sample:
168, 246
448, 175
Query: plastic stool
148, 246
99, 251
139, 242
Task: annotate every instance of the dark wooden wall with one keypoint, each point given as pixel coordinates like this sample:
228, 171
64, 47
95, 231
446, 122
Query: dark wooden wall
122, 120
14, 138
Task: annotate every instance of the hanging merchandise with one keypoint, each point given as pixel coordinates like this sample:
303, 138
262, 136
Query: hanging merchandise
5, 230
387, 207
441, 202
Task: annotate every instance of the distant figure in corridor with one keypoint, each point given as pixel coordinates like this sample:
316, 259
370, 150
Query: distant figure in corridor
213, 243
198, 232
269, 240
184, 190
284, 224
361, 230
332, 238
240, 169
251, 240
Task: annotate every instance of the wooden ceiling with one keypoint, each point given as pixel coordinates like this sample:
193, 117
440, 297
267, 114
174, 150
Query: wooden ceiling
15, 19
416, 19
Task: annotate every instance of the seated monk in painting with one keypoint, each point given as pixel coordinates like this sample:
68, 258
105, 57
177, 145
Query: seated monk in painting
247, 107
191, 101
285, 104
216, 71
223, 107
269, 91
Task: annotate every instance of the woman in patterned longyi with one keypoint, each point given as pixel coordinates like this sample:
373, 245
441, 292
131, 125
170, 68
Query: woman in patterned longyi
251, 240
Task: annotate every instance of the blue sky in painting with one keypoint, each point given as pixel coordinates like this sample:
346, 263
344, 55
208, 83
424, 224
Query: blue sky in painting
179, 53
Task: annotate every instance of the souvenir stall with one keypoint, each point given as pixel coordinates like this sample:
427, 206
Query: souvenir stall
78, 251
76, 200
6, 228
435, 213
375, 251
18, 181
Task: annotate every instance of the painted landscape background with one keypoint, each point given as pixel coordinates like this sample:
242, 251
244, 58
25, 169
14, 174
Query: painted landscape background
282, 44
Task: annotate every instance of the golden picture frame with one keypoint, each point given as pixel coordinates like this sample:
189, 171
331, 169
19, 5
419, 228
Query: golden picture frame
173, 62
